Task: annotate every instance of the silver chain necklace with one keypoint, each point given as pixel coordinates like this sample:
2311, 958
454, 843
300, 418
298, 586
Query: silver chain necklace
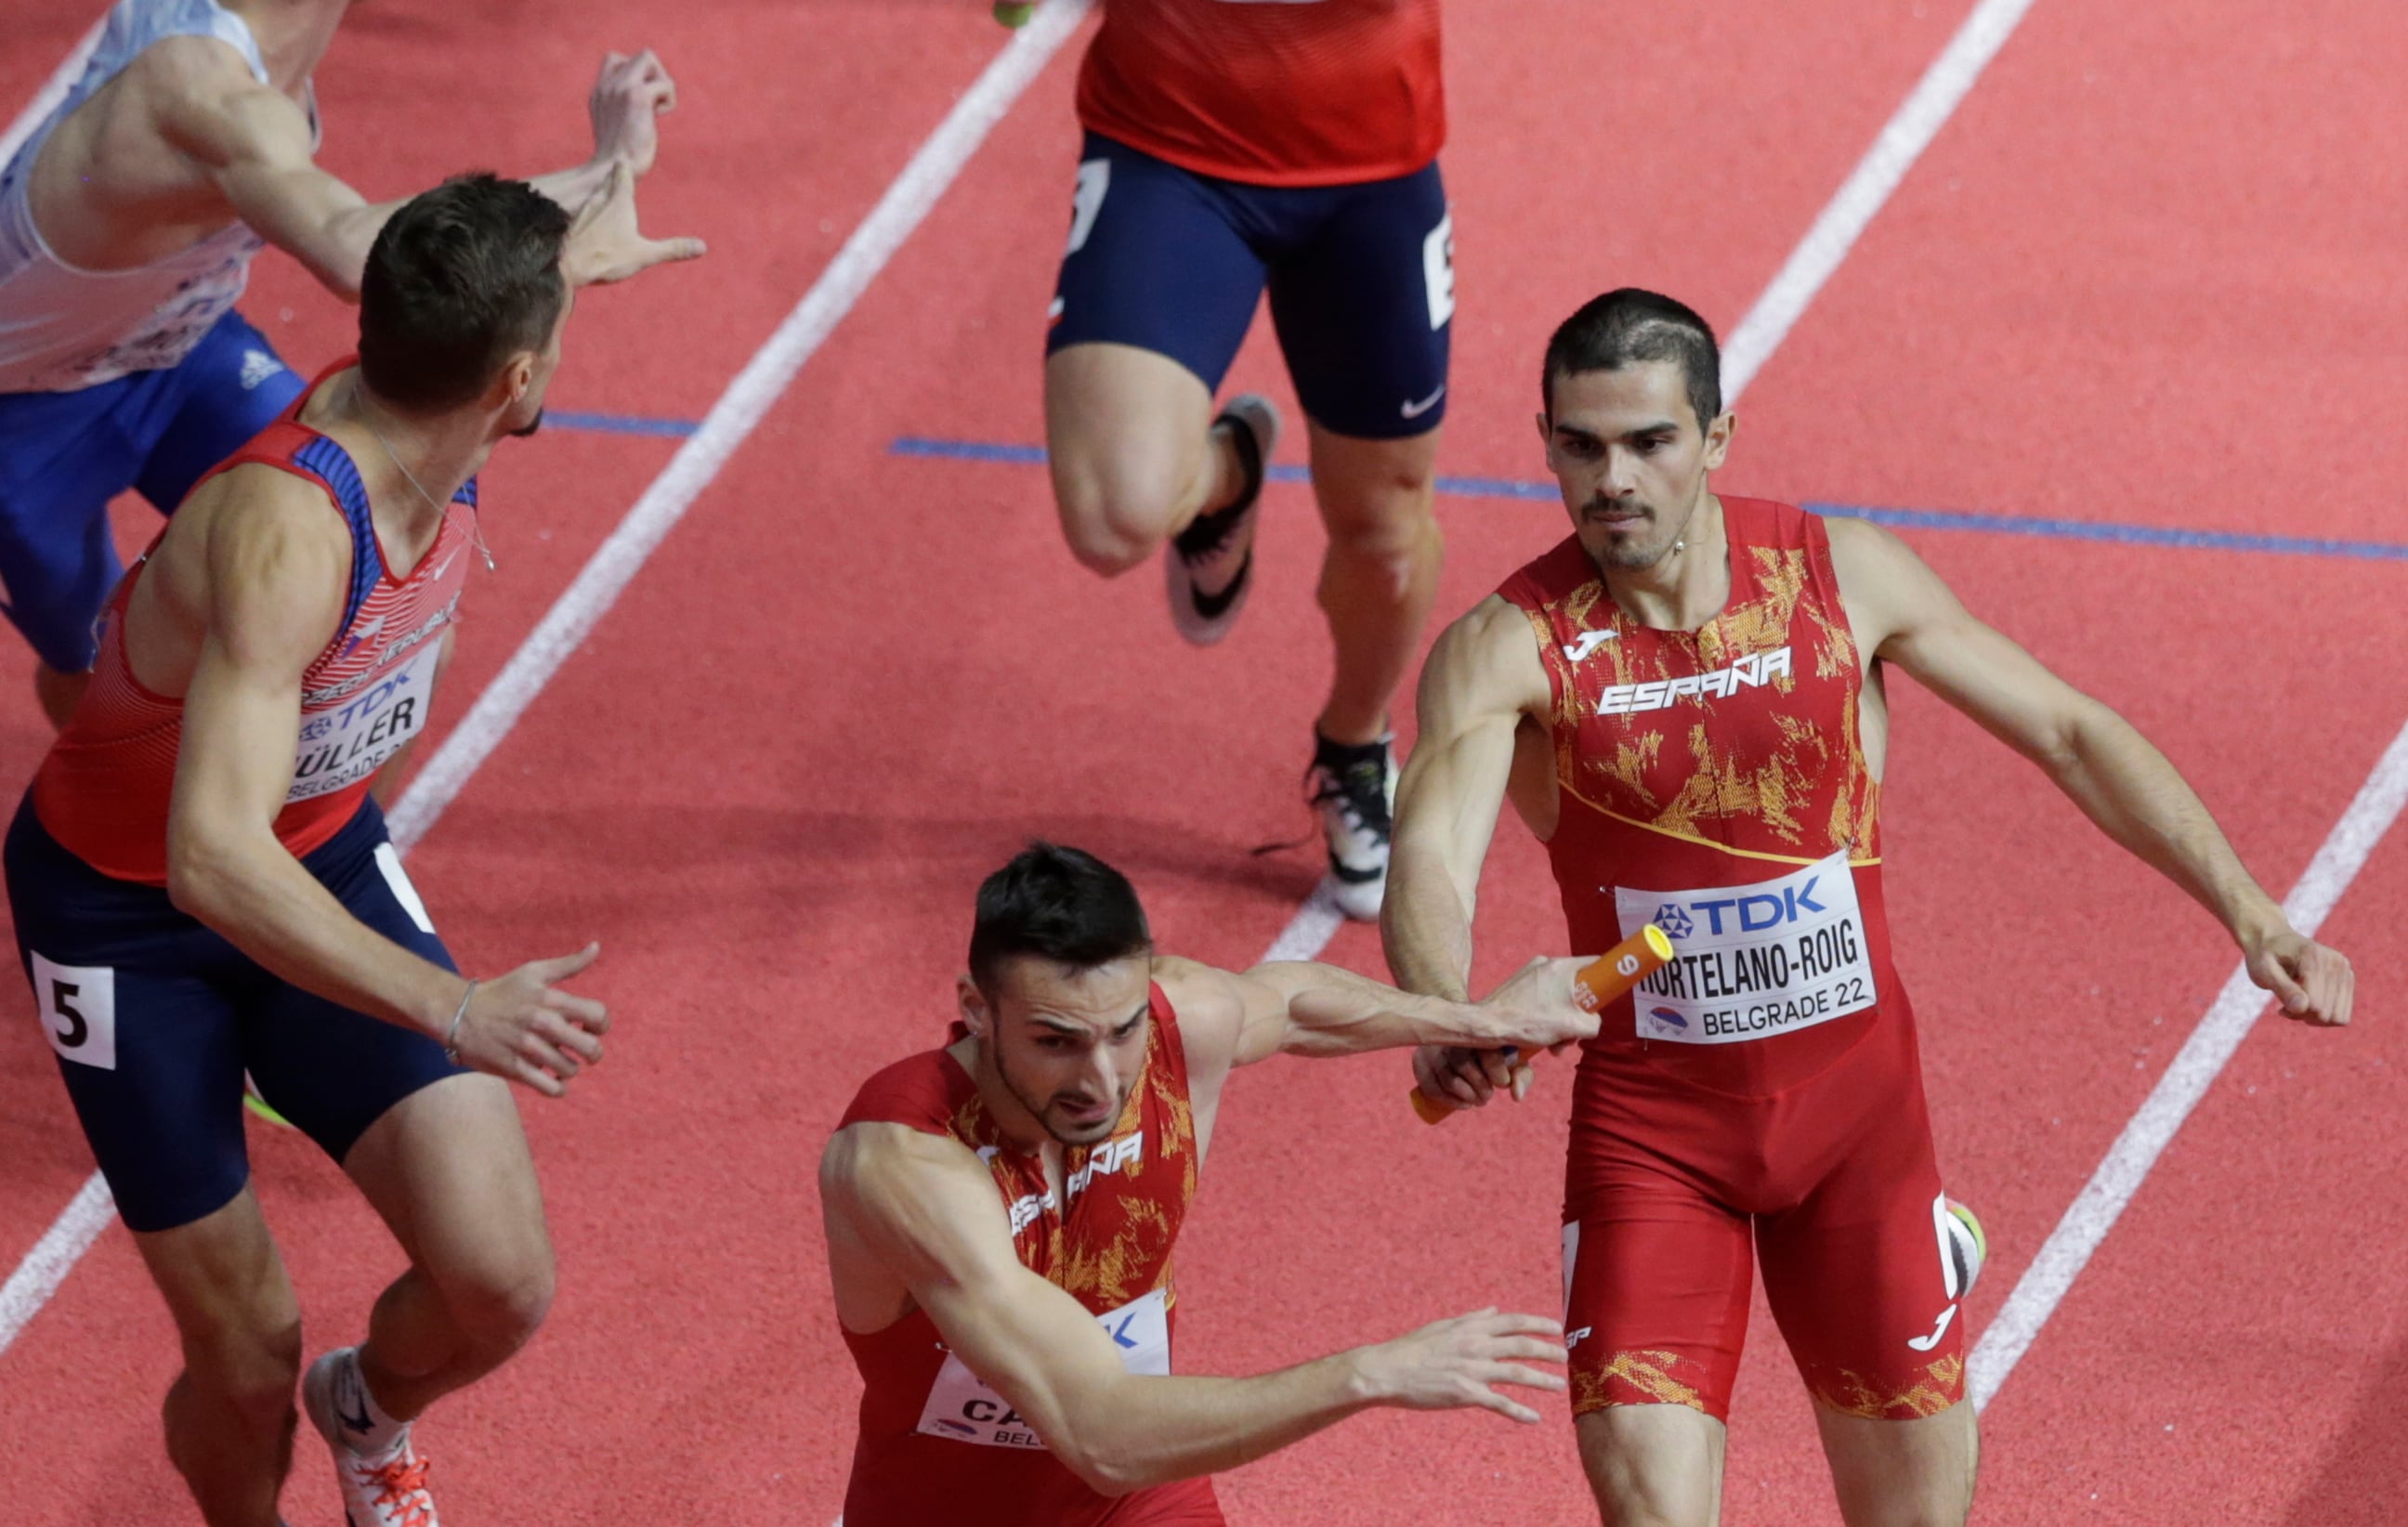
476, 520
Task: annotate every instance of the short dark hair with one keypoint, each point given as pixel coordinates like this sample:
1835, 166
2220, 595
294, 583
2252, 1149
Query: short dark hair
1628, 325
460, 279
1057, 904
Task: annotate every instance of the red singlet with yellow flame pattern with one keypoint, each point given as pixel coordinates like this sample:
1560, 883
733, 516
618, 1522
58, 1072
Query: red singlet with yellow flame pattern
937, 1445
1765, 1081
1714, 781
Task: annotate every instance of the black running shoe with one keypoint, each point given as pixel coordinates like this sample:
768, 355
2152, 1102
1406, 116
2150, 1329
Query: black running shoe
1354, 790
1209, 567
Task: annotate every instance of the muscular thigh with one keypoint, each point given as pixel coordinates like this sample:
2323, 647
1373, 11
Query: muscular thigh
226, 1289
449, 1171
1859, 1273
1656, 1292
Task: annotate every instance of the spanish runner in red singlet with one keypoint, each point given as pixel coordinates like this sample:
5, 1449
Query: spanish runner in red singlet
202, 886
1233, 149
1002, 1213
1684, 702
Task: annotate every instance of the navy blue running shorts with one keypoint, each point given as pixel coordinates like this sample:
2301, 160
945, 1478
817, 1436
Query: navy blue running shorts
155, 1019
1361, 280
65, 455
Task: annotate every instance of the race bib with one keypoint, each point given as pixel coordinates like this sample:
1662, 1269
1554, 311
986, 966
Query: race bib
343, 745
962, 1407
1752, 960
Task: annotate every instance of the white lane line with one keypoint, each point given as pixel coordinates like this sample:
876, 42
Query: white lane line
1901, 142
45, 1267
87, 1214
1308, 933
572, 617
2227, 1021
53, 90
748, 398
1827, 244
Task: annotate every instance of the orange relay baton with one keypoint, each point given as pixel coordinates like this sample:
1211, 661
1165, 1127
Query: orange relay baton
1600, 981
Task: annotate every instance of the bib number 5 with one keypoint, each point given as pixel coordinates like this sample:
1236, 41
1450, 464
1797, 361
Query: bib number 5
79, 1009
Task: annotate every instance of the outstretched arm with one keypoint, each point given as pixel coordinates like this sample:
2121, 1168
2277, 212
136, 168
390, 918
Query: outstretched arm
1295, 1007
1483, 676
1904, 613
926, 1210
254, 143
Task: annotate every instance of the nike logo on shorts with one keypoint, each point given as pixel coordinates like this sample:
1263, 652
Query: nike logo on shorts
1414, 410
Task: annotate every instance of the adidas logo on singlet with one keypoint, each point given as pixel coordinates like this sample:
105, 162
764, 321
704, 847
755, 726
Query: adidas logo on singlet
1755, 669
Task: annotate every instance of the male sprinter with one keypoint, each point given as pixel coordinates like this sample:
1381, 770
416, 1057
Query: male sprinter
1230, 147
201, 883
128, 221
1684, 700
1001, 1213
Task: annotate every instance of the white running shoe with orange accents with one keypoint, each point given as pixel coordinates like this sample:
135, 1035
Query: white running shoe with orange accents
383, 1489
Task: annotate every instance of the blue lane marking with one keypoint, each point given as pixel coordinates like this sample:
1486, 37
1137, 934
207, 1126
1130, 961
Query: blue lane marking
971, 451
1500, 488
2086, 530
1996, 524
621, 424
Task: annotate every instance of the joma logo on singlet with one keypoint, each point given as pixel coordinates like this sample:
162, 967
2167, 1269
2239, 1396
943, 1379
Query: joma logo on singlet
1115, 1156
1750, 672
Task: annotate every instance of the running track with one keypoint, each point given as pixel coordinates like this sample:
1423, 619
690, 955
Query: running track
2144, 275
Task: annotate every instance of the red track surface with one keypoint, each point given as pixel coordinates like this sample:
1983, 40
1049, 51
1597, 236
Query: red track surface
2145, 275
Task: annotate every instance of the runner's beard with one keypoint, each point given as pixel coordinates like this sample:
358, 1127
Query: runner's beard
1043, 1112
1630, 548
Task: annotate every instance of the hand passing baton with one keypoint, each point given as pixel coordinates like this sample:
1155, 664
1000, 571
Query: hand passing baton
1600, 981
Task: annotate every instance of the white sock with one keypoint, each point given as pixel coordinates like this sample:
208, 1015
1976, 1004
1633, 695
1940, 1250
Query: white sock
366, 1429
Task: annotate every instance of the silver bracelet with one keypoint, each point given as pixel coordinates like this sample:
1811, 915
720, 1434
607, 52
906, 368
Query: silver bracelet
452, 1037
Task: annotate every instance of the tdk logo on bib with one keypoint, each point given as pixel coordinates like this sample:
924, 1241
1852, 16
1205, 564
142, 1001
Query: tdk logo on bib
962, 1409
1753, 960
1749, 914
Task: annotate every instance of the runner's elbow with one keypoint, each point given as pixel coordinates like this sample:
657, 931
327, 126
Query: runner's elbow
1105, 1474
342, 274
1105, 1464
338, 255
200, 867
2067, 743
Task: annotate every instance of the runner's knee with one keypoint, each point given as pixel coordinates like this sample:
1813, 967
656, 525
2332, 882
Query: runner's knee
1115, 510
1651, 1465
1392, 535
248, 1364
501, 1306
